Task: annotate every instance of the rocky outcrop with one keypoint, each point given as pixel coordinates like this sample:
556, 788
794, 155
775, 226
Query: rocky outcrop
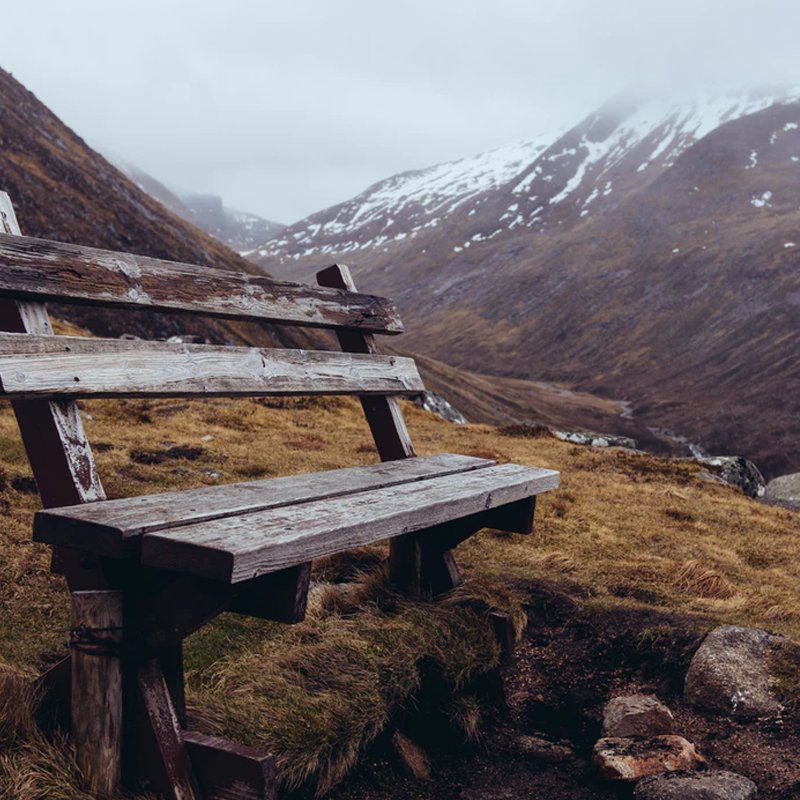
730, 674
712, 785
738, 471
784, 491
431, 401
597, 439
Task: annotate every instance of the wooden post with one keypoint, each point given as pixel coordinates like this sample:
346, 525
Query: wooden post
97, 688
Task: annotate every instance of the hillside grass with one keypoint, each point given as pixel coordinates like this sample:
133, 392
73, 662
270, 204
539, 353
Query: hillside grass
624, 529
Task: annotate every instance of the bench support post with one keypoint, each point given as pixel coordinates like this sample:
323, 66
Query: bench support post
160, 752
97, 688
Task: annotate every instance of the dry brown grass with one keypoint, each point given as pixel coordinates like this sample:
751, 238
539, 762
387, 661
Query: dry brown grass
622, 526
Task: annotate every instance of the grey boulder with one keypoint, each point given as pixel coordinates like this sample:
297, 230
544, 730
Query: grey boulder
712, 785
729, 674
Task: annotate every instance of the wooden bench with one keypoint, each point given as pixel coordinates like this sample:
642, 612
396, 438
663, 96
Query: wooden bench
145, 572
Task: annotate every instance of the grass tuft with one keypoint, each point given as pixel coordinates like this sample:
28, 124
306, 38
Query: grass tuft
700, 581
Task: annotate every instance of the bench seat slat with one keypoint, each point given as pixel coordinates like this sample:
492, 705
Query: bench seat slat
114, 527
44, 270
243, 547
71, 366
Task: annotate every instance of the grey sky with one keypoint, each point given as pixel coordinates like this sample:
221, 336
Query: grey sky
287, 108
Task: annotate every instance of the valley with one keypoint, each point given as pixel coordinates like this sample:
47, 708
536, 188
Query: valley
647, 255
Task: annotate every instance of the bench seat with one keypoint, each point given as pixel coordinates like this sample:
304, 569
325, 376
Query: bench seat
241, 531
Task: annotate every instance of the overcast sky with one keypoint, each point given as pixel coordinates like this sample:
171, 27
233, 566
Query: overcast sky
286, 108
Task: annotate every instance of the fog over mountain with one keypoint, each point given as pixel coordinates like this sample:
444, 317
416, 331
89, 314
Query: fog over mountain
285, 109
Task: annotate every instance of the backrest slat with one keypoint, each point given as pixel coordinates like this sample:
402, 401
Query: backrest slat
71, 366
52, 271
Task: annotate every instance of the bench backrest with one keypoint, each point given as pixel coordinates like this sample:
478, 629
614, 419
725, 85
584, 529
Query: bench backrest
43, 374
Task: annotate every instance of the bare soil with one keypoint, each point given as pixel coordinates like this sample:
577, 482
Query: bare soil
571, 660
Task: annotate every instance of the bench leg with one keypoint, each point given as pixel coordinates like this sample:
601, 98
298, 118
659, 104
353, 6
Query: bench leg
417, 568
96, 677
160, 758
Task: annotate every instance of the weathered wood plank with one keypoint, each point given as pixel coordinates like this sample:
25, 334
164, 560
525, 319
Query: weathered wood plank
44, 270
97, 688
243, 547
383, 413
114, 527
72, 366
228, 771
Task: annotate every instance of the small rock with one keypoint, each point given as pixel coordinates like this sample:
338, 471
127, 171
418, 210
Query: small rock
637, 715
543, 750
729, 674
411, 756
784, 491
187, 338
619, 759
740, 472
207, 438
212, 473
712, 785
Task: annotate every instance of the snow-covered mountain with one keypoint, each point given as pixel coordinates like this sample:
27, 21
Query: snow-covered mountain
649, 254
549, 180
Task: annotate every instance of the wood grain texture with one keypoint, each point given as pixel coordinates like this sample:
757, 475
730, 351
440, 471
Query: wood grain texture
44, 270
114, 527
97, 690
72, 366
228, 771
243, 547
383, 413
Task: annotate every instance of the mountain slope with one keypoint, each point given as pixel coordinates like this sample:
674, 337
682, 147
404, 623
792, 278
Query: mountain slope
649, 255
64, 190
239, 230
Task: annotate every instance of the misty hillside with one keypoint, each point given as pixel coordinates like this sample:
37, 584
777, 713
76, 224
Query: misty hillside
239, 230
648, 255
63, 190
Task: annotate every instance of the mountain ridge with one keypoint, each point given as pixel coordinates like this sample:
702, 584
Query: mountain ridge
675, 291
